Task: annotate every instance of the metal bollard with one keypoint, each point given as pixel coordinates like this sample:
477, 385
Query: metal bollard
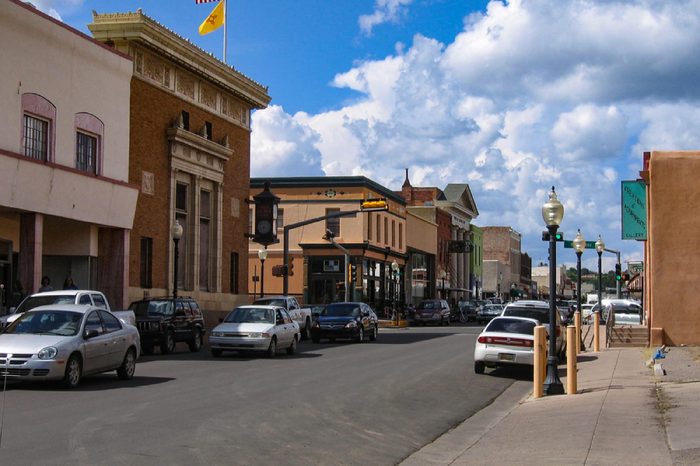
538, 359
577, 323
596, 331
571, 380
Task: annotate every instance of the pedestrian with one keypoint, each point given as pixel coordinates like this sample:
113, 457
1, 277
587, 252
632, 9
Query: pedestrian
45, 284
18, 294
68, 284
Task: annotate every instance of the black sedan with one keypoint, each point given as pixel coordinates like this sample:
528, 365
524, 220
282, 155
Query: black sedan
345, 320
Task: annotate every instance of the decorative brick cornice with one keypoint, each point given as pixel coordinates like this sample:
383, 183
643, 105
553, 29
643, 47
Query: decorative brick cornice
121, 29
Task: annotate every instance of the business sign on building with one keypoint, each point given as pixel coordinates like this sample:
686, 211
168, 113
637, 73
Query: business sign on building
634, 210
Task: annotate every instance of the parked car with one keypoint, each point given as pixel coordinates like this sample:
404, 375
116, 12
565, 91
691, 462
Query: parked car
67, 342
432, 311
538, 310
626, 311
464, 311
163, 322
300, 315
90, 297
488, 312
256, 328
505, 341
345, 320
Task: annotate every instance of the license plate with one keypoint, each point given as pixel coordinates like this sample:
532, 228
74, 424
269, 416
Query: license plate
506, 357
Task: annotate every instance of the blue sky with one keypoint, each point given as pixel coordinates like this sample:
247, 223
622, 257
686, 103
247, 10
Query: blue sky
511, 97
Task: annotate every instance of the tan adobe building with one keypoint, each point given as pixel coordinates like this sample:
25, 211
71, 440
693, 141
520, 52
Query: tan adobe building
66, 201
374, 240
190, 157
671, 271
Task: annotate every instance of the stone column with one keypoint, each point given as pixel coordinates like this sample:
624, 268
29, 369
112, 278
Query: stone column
113, 266
31, 247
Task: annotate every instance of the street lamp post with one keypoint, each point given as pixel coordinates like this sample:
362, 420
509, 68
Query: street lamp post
395, 279
553, 214
600, 247
262, 255
579, 245
443, 276
176, 233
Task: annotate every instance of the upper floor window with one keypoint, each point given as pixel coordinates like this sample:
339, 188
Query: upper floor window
280, 219
36, 138
333, 224
38, 117
86, 153
88, 142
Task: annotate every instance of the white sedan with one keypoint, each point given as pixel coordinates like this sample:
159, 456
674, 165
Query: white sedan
67, 341
255, 328
505, 341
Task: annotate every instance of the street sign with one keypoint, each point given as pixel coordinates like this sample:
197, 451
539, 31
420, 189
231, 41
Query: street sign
278, 270
570, 244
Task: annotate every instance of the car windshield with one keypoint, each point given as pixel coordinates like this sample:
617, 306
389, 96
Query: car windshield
271, 302
341, 310
531, 312
152, 308
428, 305
511, 326
35, 301
251, 315
47, 322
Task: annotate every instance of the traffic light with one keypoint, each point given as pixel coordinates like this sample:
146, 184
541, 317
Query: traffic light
290, 269
618, 272
353, 273
371, 205
625, 276
559, 236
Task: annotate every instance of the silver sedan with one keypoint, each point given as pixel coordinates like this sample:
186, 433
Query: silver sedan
65, 342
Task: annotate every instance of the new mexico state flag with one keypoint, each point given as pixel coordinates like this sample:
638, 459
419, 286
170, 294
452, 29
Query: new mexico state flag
214, 21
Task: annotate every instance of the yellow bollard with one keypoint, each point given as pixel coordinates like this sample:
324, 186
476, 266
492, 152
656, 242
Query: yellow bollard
571, 381
538, 359
596, 331
577, 323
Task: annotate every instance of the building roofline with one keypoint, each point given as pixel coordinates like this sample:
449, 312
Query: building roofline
327, 182
154, 35
30, 7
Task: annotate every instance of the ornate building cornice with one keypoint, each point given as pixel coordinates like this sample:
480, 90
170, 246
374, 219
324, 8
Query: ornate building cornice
122, 29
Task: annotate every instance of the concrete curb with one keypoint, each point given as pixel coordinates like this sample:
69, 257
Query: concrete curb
451, 445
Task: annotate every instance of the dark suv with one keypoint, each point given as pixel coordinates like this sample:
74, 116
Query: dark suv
162, 323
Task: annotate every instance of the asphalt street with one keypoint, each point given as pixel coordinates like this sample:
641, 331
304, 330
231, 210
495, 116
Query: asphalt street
331, 404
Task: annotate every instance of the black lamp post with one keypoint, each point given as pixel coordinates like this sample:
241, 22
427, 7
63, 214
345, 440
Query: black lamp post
579, 245
600, 247
176, 234
443, 276
553, 214
395, 279
262, 255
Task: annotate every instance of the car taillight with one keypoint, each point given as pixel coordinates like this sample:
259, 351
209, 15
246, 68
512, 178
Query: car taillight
506, 341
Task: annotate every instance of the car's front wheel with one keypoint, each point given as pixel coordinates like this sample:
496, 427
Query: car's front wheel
195, 343
360, 334
272, 349
373, 334
74, 372
479, 367
306, 331
292, 349
128, 367
168, 345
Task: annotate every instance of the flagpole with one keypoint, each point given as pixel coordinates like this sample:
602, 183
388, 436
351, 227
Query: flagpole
225, 25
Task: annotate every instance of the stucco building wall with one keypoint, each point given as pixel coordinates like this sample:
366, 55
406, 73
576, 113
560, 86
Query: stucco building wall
673, 242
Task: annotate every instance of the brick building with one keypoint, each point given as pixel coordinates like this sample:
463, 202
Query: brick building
502, 244
190, 156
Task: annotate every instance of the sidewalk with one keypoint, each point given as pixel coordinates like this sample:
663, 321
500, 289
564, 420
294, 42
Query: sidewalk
618, 417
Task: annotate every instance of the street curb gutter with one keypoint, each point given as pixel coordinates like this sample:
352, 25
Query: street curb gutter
452, 444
